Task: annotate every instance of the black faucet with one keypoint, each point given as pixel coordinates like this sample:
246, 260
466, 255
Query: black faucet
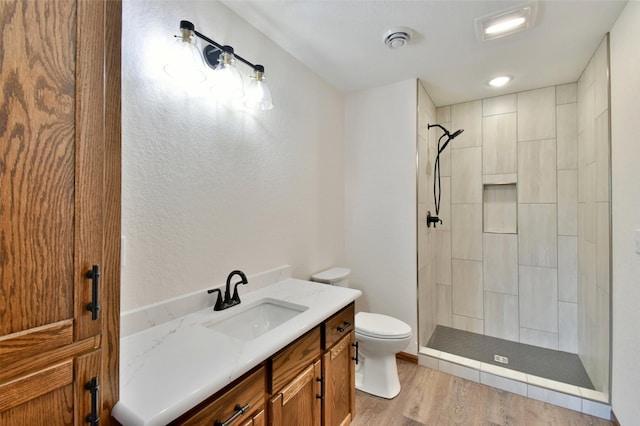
229, 300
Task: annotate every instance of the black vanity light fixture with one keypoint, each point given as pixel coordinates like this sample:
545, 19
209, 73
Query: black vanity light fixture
227, 81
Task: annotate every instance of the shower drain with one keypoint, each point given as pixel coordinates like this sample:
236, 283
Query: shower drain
501, 359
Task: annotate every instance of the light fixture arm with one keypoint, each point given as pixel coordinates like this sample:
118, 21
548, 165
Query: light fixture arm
189, 26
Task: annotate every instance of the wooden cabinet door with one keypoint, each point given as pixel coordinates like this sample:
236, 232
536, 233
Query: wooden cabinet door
52, 199
338, 369
299, 402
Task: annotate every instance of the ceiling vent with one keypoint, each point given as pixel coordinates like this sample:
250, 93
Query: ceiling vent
396, 38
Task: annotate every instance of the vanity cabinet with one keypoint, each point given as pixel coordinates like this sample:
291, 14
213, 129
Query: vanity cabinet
338, 369
319, 384
311, 382
59, 210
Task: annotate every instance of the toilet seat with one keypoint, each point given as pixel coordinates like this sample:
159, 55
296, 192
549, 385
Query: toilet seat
381, 326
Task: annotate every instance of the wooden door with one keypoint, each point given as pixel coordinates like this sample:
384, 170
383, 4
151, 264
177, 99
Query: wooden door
338, 370
299, 402
56, 204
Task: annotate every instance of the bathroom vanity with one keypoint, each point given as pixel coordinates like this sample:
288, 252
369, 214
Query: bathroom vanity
287, 352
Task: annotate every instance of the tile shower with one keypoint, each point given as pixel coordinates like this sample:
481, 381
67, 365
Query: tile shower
523, 252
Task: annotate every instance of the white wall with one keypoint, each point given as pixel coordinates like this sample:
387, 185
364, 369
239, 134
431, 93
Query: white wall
207, 187
380, 203
625, 134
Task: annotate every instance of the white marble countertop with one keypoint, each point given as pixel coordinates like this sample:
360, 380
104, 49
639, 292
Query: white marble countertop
170, 368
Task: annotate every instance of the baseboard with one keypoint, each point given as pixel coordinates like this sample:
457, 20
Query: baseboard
614, 419
407, 357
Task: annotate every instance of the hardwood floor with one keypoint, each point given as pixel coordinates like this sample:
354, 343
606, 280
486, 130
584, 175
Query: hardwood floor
429, 397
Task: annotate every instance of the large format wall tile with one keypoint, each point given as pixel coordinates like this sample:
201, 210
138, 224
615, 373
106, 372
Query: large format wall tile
444, 306
467, 116
568, 324
466, 175
602, 149
537, 235
501, 316
537, 171
567, 202
601, 77
566, 93
544, 339
466, 282
567, 140
539, 298
466, 231
474, 325
443, 115
537, 114
443, 257
499, 144
500, 265
568, 269
499, 105
602, 247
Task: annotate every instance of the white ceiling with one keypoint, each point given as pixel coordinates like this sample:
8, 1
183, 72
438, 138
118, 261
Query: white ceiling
341, 40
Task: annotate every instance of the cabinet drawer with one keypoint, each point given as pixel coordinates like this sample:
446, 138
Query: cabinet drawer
249, 391
289, 362
338, 326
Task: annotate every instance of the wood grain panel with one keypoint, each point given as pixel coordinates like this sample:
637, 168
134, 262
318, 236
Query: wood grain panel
24, 344
37, 114
85, 368
32, 386
89, 164
52, 408
337, 367
42, 360
292, 360
113, 166
297, 404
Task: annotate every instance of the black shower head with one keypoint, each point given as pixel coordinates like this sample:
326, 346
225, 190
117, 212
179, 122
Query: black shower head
456, 133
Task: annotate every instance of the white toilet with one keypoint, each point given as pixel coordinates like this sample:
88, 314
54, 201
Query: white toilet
380, 338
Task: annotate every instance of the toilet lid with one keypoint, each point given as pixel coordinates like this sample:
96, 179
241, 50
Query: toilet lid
383, 326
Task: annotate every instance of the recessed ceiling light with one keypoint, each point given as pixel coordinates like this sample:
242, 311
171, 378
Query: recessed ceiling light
506, 22
504, 26
500, 81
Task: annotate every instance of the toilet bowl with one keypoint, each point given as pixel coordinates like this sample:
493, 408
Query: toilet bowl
380, 338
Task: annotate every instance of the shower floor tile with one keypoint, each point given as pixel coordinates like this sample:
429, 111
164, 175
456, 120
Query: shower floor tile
553, 365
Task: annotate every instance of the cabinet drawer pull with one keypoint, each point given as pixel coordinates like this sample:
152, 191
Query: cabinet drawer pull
94, 276
357, 346
92, 386
344, 327
239, 410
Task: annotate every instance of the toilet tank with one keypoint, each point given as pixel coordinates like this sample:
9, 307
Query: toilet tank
334, 276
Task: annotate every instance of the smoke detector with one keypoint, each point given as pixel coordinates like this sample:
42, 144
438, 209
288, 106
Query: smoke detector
396, 38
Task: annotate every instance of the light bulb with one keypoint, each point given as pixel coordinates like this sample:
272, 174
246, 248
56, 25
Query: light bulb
227, 81
258, 93
187, 65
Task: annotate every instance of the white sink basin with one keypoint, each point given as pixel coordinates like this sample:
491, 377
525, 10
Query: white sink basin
255, 319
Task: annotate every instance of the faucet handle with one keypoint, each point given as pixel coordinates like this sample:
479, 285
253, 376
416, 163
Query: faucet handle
219, 303
236, 297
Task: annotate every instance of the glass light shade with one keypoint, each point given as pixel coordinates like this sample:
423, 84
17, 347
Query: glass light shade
227, 81
258, 94
186, 65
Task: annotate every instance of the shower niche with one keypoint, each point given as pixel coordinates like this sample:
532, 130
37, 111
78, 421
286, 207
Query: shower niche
500, 208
